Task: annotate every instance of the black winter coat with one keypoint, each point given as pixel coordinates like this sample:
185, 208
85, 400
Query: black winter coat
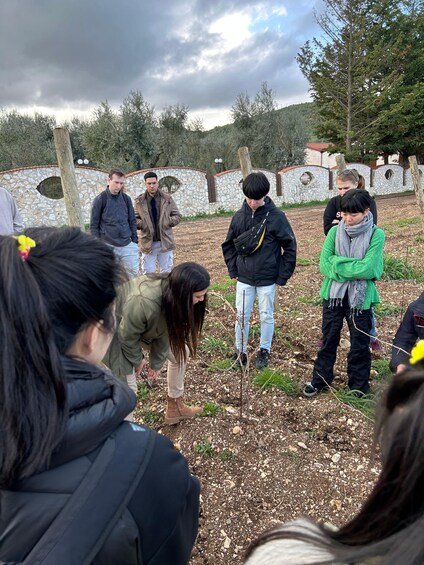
159, 525
267, 265
409, 332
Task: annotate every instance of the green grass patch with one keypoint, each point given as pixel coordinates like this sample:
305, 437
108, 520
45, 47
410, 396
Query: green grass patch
267, 378
305, 204
388, 230
382, 310
290, 338
226, 454
315, 301
220, 213
304, 262
205, 448
405, 222
419, 238
211, 409
230, 297
150, 417
365, 404
396, 269
211, 344
223, 286
220, 365
143, 391
254, 331
382, 366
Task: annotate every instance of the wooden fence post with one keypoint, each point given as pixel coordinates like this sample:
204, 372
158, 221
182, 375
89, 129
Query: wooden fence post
245, 164
415, 172
65, 160
340, 162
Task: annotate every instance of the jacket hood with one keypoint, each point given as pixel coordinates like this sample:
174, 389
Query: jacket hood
97, 403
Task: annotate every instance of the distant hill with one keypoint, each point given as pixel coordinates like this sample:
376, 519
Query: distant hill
307, 109
310, 115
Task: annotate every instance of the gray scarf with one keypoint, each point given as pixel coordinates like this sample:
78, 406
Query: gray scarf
351, 242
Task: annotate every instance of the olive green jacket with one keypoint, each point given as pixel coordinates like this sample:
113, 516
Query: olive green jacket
141, 319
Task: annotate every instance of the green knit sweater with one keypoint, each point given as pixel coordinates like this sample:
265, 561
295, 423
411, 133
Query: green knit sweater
342, 269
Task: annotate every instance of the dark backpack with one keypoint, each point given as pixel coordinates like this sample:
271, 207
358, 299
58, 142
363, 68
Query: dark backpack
80, 530
103, 198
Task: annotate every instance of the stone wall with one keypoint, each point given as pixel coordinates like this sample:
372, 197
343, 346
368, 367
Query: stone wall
305, 183
302, 183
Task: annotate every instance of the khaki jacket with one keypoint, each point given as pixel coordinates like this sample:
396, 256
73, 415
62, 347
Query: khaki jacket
140, 318
169, 217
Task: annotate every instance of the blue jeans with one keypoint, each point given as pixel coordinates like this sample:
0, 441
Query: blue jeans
164, 259
266, 296
130, 257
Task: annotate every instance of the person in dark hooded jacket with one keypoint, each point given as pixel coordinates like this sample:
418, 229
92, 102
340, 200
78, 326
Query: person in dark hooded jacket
270, 264
409, 332
78, 485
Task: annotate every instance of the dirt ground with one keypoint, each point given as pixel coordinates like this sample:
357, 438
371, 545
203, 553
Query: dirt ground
263, 455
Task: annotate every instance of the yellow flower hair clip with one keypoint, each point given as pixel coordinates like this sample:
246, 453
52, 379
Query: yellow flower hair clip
417, 353
24, 245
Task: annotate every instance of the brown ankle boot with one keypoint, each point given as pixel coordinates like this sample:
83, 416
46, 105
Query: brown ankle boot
176, 411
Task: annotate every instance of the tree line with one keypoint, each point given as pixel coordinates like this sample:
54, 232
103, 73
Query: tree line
135, 136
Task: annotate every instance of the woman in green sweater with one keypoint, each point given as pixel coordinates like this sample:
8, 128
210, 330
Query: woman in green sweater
162, 314
351, 260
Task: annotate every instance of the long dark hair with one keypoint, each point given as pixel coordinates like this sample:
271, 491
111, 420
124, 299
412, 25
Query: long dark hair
68, 280
390, 524
183, 318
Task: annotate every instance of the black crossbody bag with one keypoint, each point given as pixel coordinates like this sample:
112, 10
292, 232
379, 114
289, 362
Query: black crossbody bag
250, 241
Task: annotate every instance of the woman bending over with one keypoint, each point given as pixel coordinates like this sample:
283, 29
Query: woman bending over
162, 314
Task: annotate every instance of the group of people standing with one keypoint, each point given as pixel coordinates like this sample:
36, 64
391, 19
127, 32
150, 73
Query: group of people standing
79, 484
114, 220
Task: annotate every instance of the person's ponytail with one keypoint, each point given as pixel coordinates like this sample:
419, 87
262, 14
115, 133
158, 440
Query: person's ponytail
32, 385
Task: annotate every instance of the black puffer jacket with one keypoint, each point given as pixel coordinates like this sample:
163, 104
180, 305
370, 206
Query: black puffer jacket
409, 332
267, 265
159, 525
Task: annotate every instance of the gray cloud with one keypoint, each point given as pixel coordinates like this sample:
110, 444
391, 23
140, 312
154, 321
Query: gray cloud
78, 52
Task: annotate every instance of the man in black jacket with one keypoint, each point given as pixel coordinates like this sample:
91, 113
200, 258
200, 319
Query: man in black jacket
271, 263
113, 219
410, 331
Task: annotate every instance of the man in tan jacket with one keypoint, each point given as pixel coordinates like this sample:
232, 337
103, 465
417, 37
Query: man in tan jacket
156, 214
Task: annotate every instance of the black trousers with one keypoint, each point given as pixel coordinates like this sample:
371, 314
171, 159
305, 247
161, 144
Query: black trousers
359, 357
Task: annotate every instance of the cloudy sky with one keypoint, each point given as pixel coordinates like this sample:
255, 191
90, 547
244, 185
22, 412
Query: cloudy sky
66, 56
